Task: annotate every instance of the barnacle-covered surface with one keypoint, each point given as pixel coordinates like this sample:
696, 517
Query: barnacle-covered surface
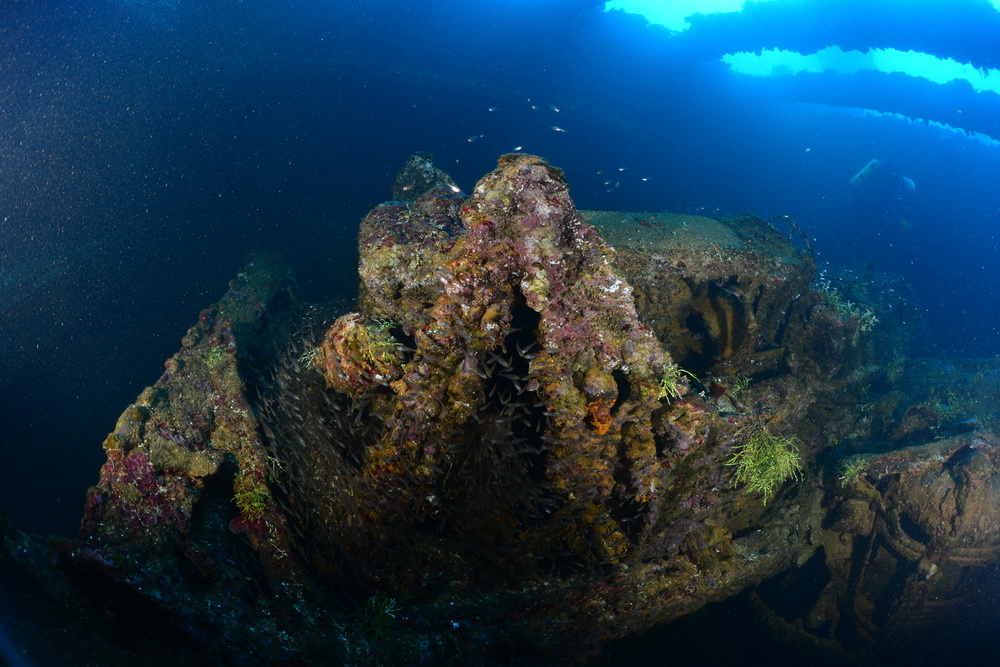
516, 447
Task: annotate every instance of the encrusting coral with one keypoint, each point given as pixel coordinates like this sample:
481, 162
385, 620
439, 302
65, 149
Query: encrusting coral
530, 416
516, 446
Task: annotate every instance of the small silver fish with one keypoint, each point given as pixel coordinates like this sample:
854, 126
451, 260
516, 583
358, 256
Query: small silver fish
556, 128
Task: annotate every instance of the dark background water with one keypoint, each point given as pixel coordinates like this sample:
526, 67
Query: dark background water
146, 147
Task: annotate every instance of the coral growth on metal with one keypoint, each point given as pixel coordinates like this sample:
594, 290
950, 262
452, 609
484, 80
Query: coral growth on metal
191, 429
509, 432
515, 416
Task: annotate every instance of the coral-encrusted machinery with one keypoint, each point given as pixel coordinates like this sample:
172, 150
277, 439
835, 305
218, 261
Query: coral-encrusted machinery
523, 442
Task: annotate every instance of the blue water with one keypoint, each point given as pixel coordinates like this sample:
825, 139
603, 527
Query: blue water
10, 652
147, 145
